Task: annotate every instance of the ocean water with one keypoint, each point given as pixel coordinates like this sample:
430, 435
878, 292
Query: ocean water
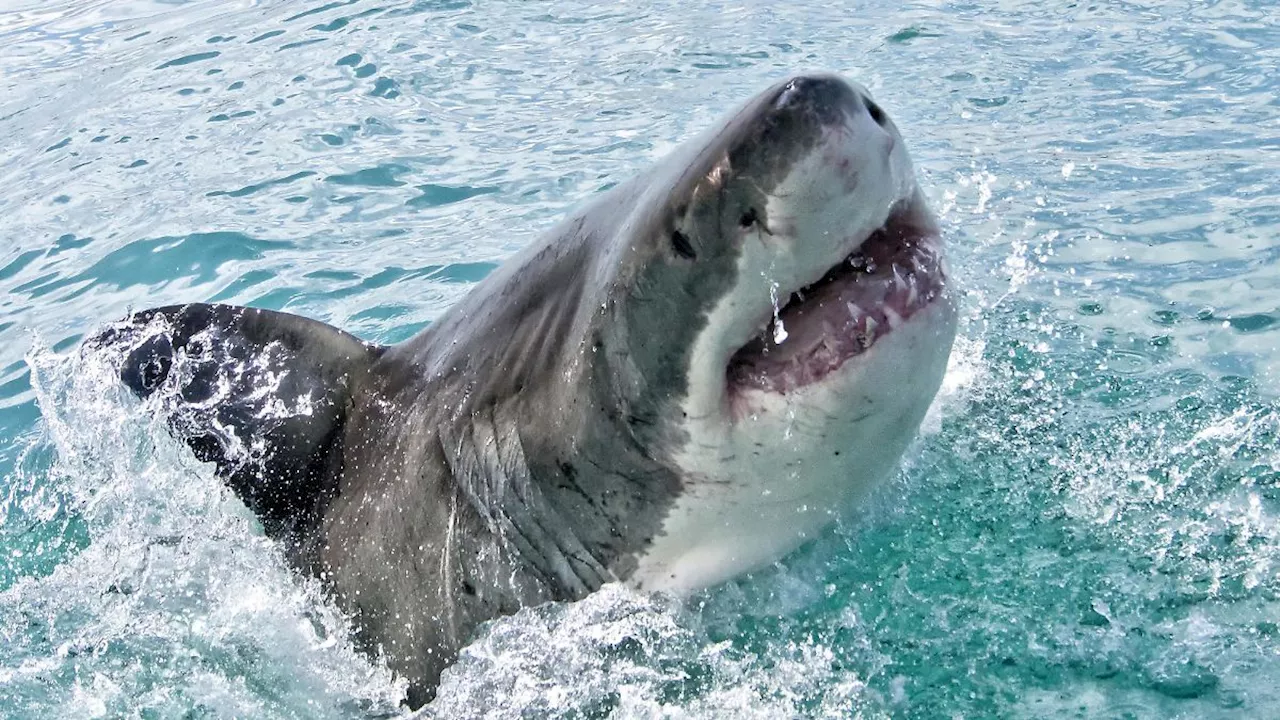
1089, 525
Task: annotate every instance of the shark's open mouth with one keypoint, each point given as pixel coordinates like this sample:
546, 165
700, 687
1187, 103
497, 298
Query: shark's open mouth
894, 273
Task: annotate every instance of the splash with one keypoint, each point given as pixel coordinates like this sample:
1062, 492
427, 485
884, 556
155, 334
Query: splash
176, 601
621, 653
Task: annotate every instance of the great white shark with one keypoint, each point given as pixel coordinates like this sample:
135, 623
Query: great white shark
682, 381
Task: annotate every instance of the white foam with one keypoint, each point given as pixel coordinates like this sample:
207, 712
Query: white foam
177, 601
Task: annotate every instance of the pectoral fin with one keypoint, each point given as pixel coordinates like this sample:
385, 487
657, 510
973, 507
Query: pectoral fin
262, 394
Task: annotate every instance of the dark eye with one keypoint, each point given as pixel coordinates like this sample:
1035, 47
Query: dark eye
683, 247
749, 218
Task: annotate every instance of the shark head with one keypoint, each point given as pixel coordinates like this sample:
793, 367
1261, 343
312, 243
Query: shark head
789, 317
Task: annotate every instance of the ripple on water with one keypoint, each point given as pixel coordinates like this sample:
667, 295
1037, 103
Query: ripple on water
1089, 527
188, 59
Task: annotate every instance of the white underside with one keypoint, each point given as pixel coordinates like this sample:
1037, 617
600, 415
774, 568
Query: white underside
771, 472
759, 488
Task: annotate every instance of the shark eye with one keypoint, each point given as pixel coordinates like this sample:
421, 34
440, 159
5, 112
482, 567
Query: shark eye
683, 247
749, 218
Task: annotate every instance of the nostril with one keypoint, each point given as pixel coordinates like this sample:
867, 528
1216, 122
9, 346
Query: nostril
876, 113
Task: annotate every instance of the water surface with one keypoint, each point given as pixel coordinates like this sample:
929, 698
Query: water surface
1087, 528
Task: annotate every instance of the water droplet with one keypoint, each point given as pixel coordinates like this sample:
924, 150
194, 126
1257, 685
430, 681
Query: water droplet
779, 330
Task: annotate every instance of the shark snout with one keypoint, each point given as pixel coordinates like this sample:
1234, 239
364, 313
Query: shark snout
852, 150
833, 102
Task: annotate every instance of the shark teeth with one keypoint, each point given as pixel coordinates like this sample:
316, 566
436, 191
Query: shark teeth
894, 274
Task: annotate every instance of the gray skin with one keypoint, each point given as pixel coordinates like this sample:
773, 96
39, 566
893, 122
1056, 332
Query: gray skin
519, 450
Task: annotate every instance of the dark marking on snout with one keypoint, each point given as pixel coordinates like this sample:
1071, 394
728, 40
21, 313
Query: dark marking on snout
825, 98
787, 123
828, 99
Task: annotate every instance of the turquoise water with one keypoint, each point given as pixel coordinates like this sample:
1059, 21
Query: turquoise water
1089, 526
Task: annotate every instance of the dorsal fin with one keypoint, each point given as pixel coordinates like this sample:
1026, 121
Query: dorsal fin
262, 394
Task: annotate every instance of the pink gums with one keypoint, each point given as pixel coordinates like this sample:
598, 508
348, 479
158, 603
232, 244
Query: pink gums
894, 274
